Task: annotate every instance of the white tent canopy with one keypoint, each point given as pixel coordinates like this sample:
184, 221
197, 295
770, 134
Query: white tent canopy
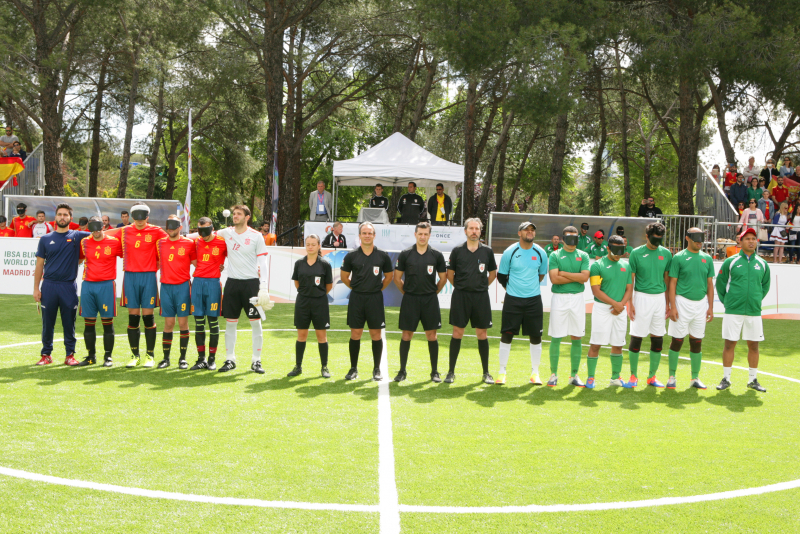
395, 161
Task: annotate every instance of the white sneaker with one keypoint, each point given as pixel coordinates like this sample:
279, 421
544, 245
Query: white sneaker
617, 382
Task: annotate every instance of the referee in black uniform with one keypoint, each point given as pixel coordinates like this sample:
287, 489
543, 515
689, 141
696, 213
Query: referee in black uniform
471, 270
313, 279
420, 264
367, 271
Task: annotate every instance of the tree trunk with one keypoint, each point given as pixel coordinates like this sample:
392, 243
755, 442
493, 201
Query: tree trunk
272, 65
647, 169
521, 170
51, 119
501, 176
717, 94
151, 183
687, 151
122, 187
557, 167
470, 163
489, 174
597, 168
94, 165
423, 98
780, 143
626, 172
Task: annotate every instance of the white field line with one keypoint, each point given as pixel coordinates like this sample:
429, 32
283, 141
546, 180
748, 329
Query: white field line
387, 485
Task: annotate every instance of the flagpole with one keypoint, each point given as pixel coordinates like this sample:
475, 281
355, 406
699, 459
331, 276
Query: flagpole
187, 205
274, 223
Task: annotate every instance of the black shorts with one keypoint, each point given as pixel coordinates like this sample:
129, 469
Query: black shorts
314, 310
522, 311
236, 297
366, 308
471, 307
416, 308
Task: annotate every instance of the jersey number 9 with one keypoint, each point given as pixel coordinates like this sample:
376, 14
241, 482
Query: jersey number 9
171, 256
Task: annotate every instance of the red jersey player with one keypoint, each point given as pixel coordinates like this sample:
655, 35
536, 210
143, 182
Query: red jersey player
5, 231
99, 289
207, 291
139, 286
22, 223
176, 255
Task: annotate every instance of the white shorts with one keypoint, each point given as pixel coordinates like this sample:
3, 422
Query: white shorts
691, 318
750, 328
650, 315
567, 315
608, 329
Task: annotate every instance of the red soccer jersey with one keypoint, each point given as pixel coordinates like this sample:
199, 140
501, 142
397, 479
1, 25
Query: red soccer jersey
175, 258
139, 247
21, 226
100, 258
7, 232
210, 255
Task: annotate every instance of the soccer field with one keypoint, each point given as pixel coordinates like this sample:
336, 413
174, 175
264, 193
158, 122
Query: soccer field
147, 450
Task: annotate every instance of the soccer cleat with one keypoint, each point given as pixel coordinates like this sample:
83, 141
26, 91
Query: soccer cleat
163, 364
654, 382
535, 380
89, 360
376, 375
576, 381
501, 379
46, 359
71, 361
211, 365
756, 386
133, 363
435, 377
632, 382
107, 361
450, 378
325, 372
695, 383
553, 382
229, 365
256, 368
487, 378
617, 382
590, 383
182, 364
402, 375
149, 362
723, 384
672, 383
352, 374
296, 371
201, 364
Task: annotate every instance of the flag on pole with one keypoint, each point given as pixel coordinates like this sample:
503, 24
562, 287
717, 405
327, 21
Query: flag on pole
274, 223
187, 206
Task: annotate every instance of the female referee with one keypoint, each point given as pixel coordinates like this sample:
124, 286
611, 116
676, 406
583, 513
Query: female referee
313, 278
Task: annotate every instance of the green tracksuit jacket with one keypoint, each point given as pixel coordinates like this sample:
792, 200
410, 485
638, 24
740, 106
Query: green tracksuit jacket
742, 284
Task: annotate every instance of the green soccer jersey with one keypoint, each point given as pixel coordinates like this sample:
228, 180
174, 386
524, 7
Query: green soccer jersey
649, 267
612, 277
692, 269
599, 251
549, 249
628, 250
584, 243
571, 262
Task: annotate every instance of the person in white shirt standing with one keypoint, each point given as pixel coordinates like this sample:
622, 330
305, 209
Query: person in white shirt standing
40, 227
246, 287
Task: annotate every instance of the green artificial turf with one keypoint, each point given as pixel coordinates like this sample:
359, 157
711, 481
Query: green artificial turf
308, 439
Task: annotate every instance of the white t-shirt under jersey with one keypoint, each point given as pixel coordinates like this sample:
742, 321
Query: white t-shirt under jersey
243, 251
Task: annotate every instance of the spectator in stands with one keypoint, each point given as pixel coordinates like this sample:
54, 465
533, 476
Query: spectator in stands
730, 178
22, 223
769, 171
7, 141
320, 204
761, 184
787, 169
5, 230
780, 233
750, 217
738, 192
125, 219
379, 201
753, 192
649, 209
794, 235
41, 227
106, 223
439, 207
778, 191
716, 174
83, 224
792, 201
751, 170
767, 207
17, 152
739, 207
411, 206
335, 239
796, 175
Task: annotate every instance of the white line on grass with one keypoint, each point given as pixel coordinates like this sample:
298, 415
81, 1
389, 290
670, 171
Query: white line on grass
387, 485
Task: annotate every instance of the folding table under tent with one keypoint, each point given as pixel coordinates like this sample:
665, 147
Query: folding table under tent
394, 162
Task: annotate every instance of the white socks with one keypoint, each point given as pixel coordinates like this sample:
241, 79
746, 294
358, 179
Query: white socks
230, 340
753, 374
505, 352
536, 357
726, 373
258, 339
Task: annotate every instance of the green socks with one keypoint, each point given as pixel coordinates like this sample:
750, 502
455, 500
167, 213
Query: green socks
696, 357
616, 365
673, 362
555, 352
655, 359
634, 357
591, 363
575, 356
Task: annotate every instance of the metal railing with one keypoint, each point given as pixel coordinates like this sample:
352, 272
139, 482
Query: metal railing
710, 199
677, 225
721, 235
30, 181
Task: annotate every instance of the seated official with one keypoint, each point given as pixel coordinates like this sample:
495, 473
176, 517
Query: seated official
335, 239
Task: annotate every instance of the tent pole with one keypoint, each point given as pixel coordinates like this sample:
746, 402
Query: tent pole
335, 200
461, 207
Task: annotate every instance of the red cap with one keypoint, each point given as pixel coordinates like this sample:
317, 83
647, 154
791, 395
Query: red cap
750, 230
599, 234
